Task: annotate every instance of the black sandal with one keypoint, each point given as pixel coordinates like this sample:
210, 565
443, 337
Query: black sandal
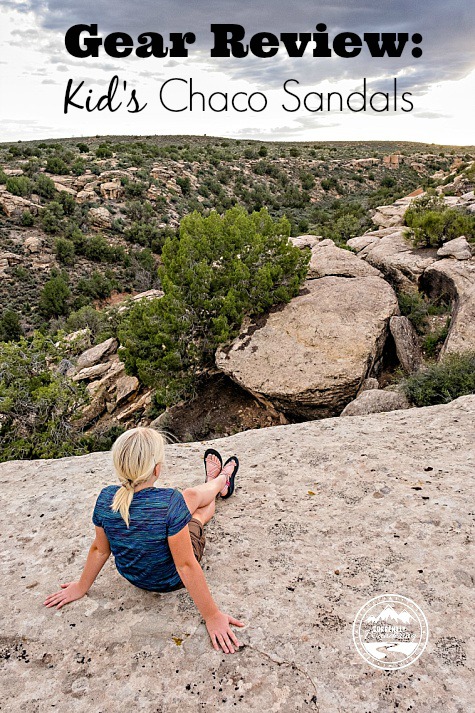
230, 482
211, 452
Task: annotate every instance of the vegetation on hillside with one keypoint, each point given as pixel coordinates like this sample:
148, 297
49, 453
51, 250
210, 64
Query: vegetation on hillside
218, 270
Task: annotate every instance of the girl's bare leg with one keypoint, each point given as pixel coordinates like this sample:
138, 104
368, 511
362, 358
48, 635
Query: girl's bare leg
204, 514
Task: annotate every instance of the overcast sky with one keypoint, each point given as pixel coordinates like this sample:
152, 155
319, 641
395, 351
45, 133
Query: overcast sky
35, 68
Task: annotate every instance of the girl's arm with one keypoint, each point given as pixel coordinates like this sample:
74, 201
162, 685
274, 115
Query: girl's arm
191, 574
96, 559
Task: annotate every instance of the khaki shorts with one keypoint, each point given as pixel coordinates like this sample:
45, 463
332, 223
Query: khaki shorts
198, 541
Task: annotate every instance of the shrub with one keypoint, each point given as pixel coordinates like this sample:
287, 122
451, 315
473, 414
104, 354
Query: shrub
216, 271
135, 189
432, 223
64, 251
103, 151
10, 326
51, 217
83, 148
263, 151
98, 286
55, 164
19, 185
27, 219
44, 186
54, 297
37, 403
440, 383
185, 185
413, 306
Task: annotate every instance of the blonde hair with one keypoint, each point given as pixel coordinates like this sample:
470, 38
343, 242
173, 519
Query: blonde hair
135, 455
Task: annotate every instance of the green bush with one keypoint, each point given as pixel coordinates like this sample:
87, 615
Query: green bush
440, 383
27, 219
19, 185
83, 148
216, 271
44, 186
413, 306
57, 165
37, 403
135, 189
432, 223
64, 251
51, 217
10, 326
103, 151
54, 297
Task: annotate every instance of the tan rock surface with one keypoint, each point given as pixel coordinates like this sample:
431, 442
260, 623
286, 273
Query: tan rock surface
375, 401
310, 357
456, 279
96, 354
328, 259
100, 217
407, 343
382, 500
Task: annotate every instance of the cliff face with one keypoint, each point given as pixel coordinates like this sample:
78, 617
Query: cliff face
326, 515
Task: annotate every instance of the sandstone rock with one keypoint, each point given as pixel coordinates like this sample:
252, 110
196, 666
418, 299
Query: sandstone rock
390, 216
370, 383
87, 195
455, 279
328, 259
111, 190
271, 556
15, 206
305, 241
98, 353
93, 410
127, 386
375, 401
108, 381
393, 254
100, 217
33, 244
135, 407
310, 357
457, 248
92, 372
148, 295
61, 187
407, 343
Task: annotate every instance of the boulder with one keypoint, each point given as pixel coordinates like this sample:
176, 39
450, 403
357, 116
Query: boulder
455, 280
328, 259
109, 380
126, 387
33, 244
393, 254
369, 383
458, 248
92, 372
407, 343
111, 190
305, 241
390, 216
100, 217
97, 354
137, 406
87, 195
326, 516
15, 206
310, 357
375, 401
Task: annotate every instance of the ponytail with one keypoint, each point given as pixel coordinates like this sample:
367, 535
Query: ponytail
135, 453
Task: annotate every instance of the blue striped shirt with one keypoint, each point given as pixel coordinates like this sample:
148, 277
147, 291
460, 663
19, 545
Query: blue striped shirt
141, 551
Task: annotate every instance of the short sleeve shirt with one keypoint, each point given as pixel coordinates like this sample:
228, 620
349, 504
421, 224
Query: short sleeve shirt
141, 551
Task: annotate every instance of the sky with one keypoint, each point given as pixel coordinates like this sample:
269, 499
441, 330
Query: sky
35, 68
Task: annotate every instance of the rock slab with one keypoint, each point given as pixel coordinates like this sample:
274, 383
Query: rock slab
310, 358
326, 515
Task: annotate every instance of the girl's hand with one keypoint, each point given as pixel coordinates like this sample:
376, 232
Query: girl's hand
221, 635
69, 593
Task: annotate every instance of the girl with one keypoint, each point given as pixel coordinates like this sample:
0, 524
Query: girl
156, 534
